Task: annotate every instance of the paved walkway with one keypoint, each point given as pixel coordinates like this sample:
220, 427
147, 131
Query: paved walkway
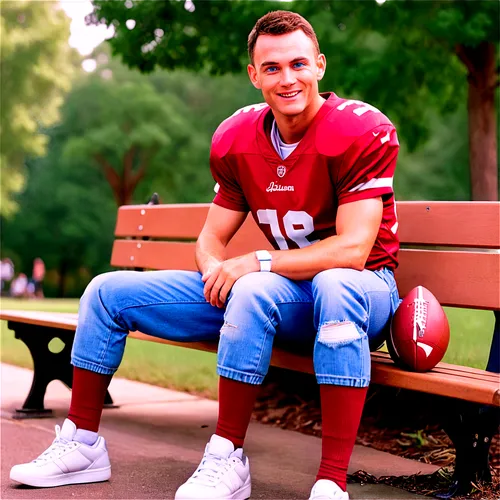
156, 438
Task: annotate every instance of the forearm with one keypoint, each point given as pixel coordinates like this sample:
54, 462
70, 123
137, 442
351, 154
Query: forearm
332, 252
209, 251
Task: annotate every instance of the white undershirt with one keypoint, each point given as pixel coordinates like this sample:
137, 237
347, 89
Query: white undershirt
283, 149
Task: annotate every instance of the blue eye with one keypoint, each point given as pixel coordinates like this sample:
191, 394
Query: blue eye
299, 64
271, 69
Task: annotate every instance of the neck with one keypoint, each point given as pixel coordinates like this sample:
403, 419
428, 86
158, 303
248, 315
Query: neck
293, 128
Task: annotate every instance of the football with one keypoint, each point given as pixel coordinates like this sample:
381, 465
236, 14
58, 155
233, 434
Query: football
419, 333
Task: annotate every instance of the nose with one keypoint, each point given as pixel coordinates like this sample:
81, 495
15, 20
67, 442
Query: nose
287, 77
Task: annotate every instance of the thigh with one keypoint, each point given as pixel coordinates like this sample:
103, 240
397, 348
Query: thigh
166, 304
365, 298
263, 308
262, 302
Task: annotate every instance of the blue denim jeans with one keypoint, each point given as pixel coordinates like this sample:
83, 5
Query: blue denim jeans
339, 315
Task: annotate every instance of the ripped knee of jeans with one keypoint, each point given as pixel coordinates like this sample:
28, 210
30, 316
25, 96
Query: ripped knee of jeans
229, 329
338, 333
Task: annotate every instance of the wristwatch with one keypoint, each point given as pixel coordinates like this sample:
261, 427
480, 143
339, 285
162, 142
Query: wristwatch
265, 259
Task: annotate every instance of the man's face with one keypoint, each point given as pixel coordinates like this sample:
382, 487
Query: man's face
287, 70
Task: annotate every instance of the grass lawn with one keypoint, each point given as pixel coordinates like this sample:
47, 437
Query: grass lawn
168, 366
194, 371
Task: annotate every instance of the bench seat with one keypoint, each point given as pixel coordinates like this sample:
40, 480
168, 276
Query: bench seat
445, 379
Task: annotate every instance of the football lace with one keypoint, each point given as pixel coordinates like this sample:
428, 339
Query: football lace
420, 314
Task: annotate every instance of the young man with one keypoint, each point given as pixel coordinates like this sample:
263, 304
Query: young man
316, 173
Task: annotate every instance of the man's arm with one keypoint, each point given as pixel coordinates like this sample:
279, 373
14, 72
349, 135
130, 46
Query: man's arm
357, 224
219, 228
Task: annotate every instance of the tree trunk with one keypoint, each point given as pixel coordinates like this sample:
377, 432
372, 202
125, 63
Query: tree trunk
123, 187
483, 157
125, 195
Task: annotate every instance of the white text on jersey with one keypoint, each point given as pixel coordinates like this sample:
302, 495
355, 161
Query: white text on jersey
274, 186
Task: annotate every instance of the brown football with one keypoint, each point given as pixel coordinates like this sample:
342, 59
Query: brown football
419, 333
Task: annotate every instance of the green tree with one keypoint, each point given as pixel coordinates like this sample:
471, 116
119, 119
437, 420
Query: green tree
67, 209
36, 64
126, 129
180, 172
406, 57
66, 216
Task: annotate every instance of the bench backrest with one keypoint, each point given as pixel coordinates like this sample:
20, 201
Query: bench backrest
452, 248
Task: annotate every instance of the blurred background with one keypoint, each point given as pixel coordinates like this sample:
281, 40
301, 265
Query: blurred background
104, 103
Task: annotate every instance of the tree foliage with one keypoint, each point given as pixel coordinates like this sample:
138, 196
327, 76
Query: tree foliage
121, 128
67, 209
36, 64
66, 216
405, 57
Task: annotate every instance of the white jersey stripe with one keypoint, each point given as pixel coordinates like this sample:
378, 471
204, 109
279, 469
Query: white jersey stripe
386, 138
373, 183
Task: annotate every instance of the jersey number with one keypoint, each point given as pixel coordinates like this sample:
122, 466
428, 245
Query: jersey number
291, 220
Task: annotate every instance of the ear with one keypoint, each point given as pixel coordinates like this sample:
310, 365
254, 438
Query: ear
321, 65
252, 74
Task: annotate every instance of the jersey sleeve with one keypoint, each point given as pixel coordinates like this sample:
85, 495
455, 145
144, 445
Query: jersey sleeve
367, 170
228, 191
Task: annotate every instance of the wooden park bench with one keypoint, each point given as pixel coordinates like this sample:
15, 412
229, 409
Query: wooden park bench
452, 248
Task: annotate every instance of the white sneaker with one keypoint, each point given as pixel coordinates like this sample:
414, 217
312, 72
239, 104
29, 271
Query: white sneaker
324, 489
223, 474
66, 462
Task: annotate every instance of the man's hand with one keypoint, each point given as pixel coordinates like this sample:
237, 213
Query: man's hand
209, 265
220, 279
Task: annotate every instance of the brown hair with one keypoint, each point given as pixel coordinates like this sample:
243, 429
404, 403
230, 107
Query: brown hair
280, 22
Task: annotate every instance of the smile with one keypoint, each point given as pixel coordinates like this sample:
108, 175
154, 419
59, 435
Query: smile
289, 95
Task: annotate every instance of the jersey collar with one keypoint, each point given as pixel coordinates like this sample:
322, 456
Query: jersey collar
265, 144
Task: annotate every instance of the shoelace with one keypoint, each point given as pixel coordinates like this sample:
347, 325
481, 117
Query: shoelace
211, 469
58, 446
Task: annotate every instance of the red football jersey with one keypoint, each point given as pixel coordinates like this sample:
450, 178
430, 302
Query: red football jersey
348, 153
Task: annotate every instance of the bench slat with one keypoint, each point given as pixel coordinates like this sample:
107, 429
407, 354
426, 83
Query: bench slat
475, 286
485, 390
461, 224
176, 221
64, 321
444, 380
460, 279
447, 369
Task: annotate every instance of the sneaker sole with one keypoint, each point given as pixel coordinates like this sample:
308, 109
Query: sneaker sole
86, 476
242, 494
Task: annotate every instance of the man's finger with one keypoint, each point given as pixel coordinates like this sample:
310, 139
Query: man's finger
208, 286
214, 293
224, 291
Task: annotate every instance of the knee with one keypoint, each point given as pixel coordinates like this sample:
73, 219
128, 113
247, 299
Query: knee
336, 280
251, 308
254, 289
107, 287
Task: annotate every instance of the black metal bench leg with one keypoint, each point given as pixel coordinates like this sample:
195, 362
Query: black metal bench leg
471, 428
47, 366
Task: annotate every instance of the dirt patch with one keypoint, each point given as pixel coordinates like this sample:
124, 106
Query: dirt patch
404, 423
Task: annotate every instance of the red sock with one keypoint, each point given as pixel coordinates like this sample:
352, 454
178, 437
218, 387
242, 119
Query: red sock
341, 409
87, 398
236, 402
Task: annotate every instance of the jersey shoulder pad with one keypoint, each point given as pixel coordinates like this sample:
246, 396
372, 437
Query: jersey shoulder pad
347, 121
235, 130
